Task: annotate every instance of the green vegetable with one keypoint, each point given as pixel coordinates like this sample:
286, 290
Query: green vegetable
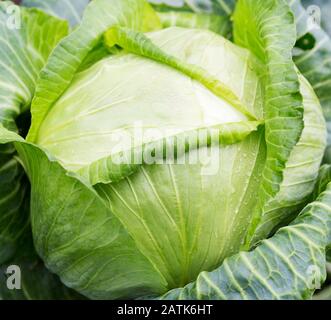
171, 154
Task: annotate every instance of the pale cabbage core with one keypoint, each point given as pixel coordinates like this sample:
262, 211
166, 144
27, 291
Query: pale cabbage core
108, 103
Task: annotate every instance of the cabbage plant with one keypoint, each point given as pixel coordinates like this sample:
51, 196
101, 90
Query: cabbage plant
173, 152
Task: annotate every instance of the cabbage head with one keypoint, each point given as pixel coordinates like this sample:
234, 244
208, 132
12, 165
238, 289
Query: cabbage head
169, 159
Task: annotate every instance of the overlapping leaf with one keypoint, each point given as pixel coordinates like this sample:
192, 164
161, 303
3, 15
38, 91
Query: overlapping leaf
72, 51
267, 28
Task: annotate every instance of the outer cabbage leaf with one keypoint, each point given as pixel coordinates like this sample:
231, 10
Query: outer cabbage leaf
78, 236
216, 23
313, 60
290, 265
14, 221
268, 29
211, 14
37, 283
219, 7
22, 56
301, 169
324, 178
71, 10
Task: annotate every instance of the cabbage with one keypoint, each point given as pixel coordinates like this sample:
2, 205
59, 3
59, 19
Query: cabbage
165, 158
